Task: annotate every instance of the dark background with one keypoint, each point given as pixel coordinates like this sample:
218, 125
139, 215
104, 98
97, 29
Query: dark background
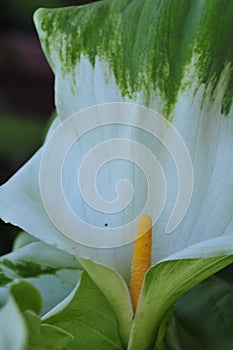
26, 91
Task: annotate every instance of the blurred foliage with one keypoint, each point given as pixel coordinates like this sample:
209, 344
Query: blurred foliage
20, 137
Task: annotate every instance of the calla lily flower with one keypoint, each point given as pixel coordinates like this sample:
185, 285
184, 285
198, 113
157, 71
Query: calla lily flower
175, 57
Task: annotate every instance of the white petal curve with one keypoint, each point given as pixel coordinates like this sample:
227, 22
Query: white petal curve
208, 136
21, 205
207, 133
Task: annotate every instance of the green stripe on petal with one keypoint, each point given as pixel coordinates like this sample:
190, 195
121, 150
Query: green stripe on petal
52, 271
145, 44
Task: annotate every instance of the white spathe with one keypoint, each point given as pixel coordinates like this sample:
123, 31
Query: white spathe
205, 231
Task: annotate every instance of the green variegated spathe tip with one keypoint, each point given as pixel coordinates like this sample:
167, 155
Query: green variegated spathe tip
147, 44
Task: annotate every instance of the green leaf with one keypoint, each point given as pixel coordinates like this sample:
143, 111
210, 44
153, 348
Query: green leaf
116, 291
171, 340
89, 317
22, 239
26, 296
54, 272
205, 313
19, 327
163, 329
163, 285
13, 331
181, 337
45, 337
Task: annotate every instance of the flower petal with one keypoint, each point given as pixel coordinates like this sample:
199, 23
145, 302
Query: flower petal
182, 67
21, 205
106, 52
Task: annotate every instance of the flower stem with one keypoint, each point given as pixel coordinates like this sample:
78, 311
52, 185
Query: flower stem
141, 258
